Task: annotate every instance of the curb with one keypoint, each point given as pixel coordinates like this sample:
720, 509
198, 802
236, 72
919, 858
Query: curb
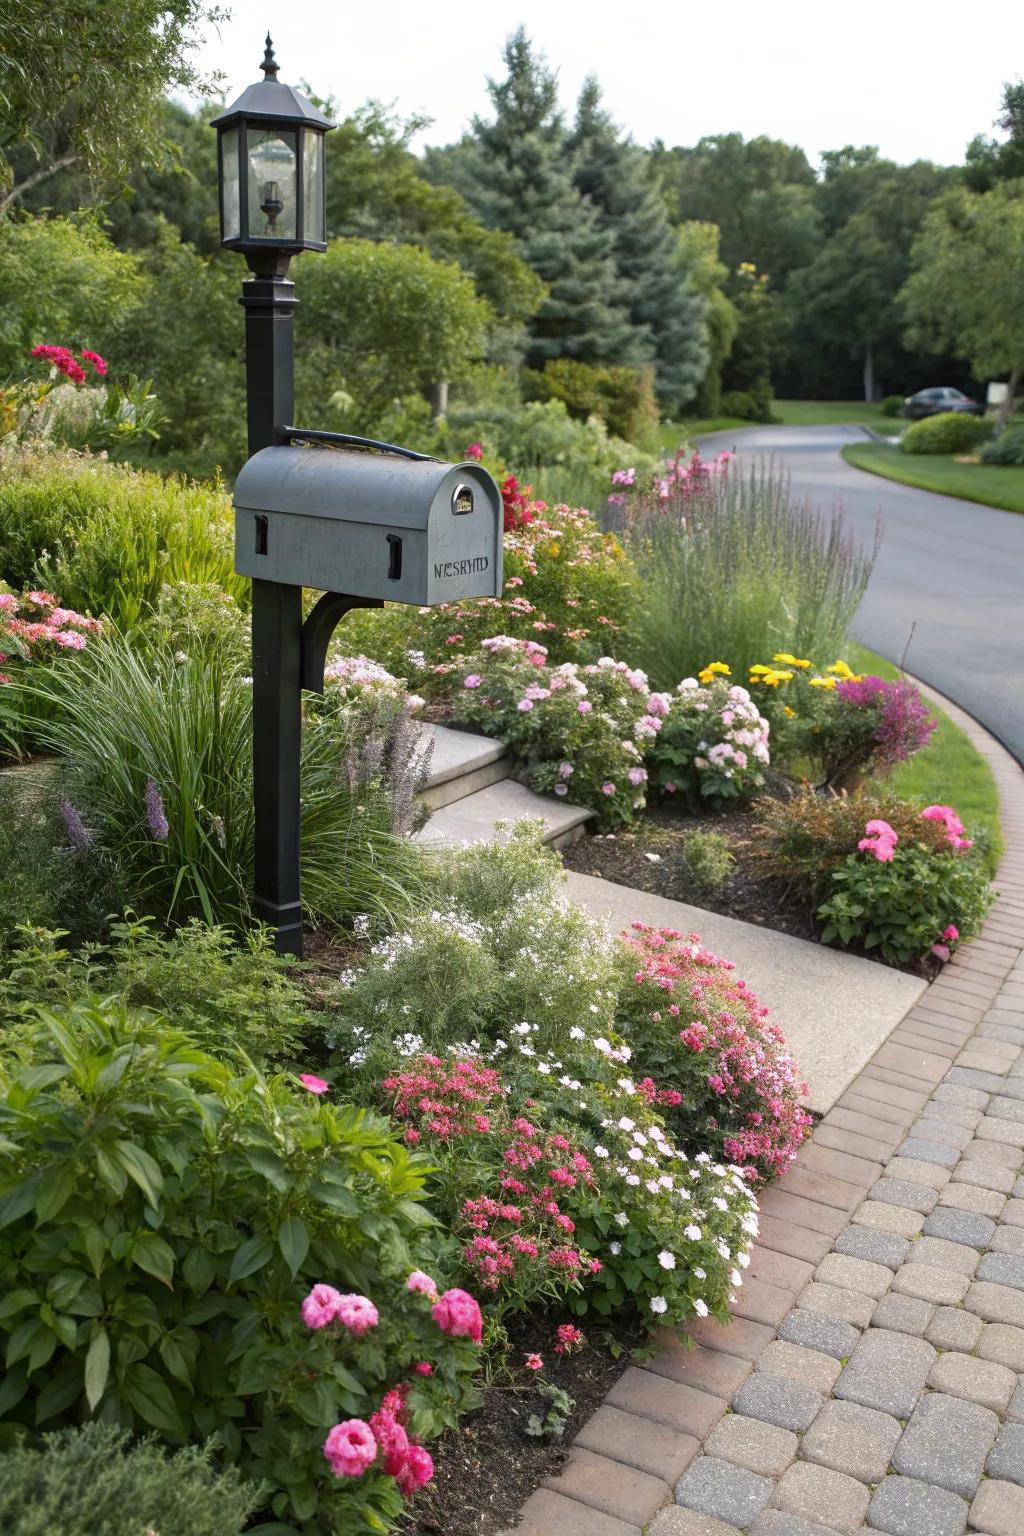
627, 1458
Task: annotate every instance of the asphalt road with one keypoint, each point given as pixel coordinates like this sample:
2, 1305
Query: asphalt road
952, 569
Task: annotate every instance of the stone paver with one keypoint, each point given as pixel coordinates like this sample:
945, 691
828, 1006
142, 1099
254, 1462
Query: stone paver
674, 1521
999, 1342
752, 1443
728, 1493
905, 1507
1007, 1457
886, 1248
953, 1328
887, 1371
998, 1509
903, 1314
788, 1404
963, 1226
812, 1330
809, 1491
851, 1439
808, 1366
980, 1381
946, 1443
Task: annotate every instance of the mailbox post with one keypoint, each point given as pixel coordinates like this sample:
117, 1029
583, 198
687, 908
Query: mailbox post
358, 520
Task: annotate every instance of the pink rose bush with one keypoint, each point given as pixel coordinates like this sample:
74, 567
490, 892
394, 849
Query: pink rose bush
713, 744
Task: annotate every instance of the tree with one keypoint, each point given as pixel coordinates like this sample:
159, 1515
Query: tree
517, 176
842, 306
967, 282
378, 322
760, 193
63, 282
698, 252
759, 332
665, 308
83, 84
992, 160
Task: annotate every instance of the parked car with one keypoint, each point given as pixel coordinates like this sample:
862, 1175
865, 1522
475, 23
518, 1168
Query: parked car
931, 402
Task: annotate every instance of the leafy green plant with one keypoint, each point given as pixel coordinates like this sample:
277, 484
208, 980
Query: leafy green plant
713, 741
891, 405
42, 883
948, 432
162, 1217
107, 537
1008, 448
707, 859
96, 1480
623, 397
156, 753
909, 906
731, 566
558, 1407
748, 405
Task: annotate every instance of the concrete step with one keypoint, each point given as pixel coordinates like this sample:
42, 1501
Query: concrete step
474, 818
461, 764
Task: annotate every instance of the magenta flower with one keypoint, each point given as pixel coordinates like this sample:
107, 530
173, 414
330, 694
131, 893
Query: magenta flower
357, 1314
350, 1448
952, 932
313, 1084
534, 1363
421, 1284
320, 1307
458, 1314
608, 789
423, 1368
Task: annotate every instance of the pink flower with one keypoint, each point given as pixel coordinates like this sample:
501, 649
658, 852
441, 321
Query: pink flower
474, 451
421, 1284
584, 707
952, 932
423, 1368
881, 841
608, 789
357, 1314
524, 706
534, 1363
350, 1448
472, 681
321, 1306
670, 789
313, 1083
98, 362
458, 1314
419, 1469
942, 950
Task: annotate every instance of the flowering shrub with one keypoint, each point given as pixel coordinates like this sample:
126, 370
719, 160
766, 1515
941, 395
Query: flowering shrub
581, 732
680, 481
34, 630
56, 408
195, 1253
356, 679
698, 1031
907, 897
713, 743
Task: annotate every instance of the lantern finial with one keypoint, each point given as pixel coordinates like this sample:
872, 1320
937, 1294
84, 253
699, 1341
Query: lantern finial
270, 65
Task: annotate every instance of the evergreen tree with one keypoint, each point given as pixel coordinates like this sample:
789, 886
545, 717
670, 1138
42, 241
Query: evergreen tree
517, 175
668, 313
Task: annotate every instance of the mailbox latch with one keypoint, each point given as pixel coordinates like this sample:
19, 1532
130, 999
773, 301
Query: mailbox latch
394, 557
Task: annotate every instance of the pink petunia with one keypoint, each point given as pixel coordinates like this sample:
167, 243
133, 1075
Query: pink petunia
313, 1084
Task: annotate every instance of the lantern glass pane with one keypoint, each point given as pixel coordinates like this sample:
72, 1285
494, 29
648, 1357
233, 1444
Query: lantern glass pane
231, 214
273, 183
313, 185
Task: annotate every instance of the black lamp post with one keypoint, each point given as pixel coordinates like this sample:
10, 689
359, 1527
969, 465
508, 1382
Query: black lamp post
270, 146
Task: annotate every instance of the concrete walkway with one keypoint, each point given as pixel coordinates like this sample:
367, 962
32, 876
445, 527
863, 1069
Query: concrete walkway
872, 1375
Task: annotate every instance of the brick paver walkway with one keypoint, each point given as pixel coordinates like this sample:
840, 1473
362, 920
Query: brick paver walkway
872, 1378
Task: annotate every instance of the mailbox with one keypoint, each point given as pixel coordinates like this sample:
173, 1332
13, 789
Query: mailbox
379, 525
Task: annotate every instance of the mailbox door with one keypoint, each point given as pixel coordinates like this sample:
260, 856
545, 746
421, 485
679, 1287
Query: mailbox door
361, 559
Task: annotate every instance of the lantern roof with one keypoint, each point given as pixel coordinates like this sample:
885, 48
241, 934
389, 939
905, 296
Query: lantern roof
271, 98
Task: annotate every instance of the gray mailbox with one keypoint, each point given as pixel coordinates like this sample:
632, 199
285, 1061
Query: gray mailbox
375, 525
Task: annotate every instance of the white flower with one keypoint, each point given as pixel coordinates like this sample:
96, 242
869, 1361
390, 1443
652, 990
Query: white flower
652, 1185
626, 1084
693, 1233
744, 1260
723, 1205
520, 1029
614, 1249
723, 1249
625, 1124
622, 1218
640, 1138
576, 1033
632, 1179
749, 1224
735, 1278
700, 1307
600, 1151
701, 1274
667, 1260
656, 1133
602, 1045
543, 1068
659, 1305
635, 1155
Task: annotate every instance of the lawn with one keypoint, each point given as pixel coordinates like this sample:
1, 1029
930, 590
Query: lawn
950, 770
992, 484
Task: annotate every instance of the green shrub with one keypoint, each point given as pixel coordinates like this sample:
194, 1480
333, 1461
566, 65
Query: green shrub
891, 405
949, 432
707, 859
1008, 448
156, 760
107, 537
42, 882
731, 566
95, 1480
623, 397
748, 405
161, 1220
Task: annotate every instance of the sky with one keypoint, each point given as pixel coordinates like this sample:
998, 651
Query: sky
918, 80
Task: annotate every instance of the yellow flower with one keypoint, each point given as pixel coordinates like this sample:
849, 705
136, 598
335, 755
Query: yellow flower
553, 549
713, 667
774, 678
822, 682
759, 671
790, 714
790, 661
841, 670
